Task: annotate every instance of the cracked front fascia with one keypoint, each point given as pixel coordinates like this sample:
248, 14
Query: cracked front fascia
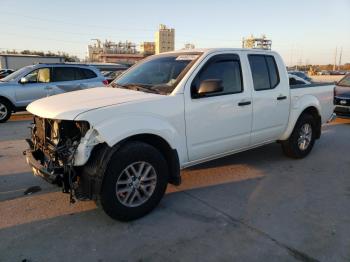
85, 147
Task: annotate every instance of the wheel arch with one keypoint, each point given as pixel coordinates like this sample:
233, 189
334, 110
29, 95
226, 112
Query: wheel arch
313, 110
92, 173
8, 101
170, 154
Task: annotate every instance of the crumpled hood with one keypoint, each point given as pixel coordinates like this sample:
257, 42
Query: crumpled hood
68, 106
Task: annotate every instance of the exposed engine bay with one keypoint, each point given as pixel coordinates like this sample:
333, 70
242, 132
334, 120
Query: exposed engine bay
54, 144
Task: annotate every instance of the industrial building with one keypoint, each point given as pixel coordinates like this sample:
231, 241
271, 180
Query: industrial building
126, 52
189, 46
17, 61
257, 42
147, 48
128, 59
164, 39
100, 51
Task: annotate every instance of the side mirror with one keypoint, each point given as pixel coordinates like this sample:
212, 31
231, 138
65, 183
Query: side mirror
23, 80
210, 86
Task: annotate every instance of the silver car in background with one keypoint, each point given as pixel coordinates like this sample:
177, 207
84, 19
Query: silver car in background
30, 83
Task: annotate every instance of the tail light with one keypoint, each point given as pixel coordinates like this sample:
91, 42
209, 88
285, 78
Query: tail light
105, 82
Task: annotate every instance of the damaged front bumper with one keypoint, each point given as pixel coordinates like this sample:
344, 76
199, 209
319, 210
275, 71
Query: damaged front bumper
41, 171
58, 153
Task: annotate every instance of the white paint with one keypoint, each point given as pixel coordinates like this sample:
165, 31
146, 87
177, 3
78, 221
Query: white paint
199, 129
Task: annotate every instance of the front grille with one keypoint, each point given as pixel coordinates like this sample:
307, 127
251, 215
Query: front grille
342, 101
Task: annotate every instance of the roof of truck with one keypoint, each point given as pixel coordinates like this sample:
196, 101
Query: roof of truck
211, 50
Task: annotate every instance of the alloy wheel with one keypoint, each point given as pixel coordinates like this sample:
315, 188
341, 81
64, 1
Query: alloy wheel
136, 184
305, 136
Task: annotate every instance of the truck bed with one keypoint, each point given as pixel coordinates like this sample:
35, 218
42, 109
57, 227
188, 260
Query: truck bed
324, 92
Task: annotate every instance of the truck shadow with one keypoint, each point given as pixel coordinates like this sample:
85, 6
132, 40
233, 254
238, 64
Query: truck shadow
50, 202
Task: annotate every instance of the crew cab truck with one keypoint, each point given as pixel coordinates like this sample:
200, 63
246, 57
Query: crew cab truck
122, 145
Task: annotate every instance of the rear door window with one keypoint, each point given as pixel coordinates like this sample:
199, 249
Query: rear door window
63, 74
264, 72
71, 74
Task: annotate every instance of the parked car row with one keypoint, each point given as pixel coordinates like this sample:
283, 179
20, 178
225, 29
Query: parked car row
332, 72
33, 82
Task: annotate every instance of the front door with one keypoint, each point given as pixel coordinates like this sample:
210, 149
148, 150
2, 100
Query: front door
219, 122
35, 86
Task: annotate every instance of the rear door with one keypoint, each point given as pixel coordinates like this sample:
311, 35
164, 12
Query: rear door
68, 79
220, 122
271, 99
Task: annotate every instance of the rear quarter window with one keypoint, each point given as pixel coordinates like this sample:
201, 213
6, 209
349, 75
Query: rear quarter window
87, 73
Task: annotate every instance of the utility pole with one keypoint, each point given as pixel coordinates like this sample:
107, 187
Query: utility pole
335, 59
340, 55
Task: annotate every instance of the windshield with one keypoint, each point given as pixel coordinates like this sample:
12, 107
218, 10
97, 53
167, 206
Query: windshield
158, 74
345, 81
14, 75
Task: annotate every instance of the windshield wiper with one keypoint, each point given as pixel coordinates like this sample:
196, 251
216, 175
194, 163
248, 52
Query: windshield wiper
162, 89
137, 87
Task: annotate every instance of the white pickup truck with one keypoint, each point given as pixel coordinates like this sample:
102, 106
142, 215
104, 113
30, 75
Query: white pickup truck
122, 145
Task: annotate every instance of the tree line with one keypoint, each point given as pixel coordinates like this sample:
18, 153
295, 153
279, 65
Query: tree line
66, 56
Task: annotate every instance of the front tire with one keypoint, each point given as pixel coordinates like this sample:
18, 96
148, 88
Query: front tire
135, 181
5, 110
302, 139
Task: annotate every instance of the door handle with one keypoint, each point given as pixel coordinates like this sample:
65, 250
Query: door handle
281, 97
48, 88
244, 103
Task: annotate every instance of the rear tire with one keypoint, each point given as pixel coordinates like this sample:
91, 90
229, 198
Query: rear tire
135, 181
302, 139
5, 110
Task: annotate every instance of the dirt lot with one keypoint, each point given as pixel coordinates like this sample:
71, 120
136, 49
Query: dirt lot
253, 206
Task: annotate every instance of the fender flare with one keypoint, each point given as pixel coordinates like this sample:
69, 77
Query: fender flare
13, 107
299, 106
